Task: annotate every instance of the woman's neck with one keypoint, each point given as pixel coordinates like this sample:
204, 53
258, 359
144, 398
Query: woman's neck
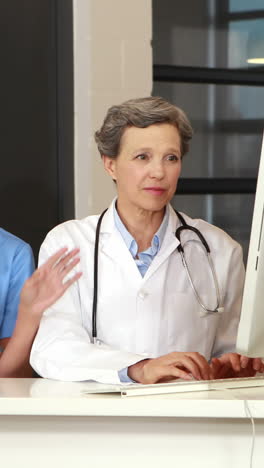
141, 224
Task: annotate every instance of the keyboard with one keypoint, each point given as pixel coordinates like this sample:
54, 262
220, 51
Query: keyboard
177, 386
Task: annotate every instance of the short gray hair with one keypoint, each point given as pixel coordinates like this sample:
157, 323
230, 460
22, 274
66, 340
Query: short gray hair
141, 113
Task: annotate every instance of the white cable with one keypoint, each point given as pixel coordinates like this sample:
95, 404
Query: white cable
249, 415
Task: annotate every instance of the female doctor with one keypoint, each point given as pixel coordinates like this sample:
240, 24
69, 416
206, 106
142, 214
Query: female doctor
152, 305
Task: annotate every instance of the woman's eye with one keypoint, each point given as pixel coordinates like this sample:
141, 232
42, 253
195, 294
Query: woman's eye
142, 157
172, 157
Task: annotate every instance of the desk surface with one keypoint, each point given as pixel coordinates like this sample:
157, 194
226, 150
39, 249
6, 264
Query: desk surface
46, 397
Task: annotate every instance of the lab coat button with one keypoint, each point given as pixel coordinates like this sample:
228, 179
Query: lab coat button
142, 294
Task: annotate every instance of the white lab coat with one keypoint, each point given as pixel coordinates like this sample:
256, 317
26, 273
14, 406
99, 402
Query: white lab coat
137, 317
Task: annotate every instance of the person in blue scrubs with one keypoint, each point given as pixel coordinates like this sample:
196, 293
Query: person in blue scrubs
16, 265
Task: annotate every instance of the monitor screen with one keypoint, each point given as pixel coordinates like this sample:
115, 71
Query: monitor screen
250, 339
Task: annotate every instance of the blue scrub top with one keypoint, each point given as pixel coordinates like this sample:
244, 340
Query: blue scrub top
16, 265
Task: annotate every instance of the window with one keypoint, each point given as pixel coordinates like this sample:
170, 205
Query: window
202, 64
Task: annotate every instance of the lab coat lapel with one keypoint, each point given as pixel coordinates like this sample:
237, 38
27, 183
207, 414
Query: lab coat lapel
113, 245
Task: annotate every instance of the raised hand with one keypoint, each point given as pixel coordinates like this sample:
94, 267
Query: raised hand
47, 284
41, 290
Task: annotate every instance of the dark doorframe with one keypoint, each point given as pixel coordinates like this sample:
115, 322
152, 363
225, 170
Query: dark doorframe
37, 126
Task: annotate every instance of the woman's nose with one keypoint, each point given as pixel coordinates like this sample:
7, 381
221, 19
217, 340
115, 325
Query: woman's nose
157, 170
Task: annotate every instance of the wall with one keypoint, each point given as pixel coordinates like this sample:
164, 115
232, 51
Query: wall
112, 63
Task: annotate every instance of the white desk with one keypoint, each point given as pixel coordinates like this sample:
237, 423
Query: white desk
51, 424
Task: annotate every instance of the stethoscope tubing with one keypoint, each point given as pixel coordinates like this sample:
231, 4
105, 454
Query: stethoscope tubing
95, 289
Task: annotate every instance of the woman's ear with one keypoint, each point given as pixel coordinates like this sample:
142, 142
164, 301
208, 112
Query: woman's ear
109, 165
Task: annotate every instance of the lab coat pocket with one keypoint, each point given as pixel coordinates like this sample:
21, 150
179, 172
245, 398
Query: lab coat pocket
188, 328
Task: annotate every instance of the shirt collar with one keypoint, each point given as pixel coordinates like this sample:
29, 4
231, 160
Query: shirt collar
129, 239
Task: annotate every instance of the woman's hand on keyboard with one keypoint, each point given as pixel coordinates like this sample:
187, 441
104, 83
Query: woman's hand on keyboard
234, 365
169, 367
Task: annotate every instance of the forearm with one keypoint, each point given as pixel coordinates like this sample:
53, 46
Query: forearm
14, 361
62, 350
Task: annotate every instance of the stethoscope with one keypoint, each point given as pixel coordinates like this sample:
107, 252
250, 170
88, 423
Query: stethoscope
179, 231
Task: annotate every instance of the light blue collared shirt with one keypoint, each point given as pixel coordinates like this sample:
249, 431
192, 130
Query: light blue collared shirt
144, 258
16, 265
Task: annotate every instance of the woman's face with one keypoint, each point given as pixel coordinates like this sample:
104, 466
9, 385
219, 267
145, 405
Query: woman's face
147, 167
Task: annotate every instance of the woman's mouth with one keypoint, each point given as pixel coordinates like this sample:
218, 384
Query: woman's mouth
155, 190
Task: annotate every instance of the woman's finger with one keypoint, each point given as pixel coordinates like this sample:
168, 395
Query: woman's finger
215, 367
54, 258
69, 267
188, 363
63, 261
72, 280
169, 373
181, 374
203, 365
244, 360
257, 364
234, 360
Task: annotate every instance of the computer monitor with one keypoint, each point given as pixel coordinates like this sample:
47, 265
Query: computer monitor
250, 339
